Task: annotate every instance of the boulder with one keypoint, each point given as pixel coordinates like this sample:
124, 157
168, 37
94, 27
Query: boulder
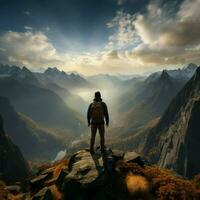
86, 169
44, 194
64, 172
86, 178
38, 182
48, 172
117, 154
13, 189
133, 157
93, 176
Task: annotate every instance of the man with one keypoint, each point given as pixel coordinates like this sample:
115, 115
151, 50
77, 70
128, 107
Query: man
96, 114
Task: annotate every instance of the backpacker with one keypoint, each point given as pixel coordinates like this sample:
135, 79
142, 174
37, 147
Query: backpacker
97, 113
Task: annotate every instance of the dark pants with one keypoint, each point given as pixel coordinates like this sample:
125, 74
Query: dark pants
101, 129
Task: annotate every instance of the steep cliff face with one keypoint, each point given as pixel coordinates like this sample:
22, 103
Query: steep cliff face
13, 166
24, 132
174, 142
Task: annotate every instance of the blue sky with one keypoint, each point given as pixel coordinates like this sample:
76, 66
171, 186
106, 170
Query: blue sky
99, 36
82, 23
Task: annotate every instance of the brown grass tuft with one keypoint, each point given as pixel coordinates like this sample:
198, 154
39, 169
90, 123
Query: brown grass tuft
162, 183
138, 186
57, 195
59, 165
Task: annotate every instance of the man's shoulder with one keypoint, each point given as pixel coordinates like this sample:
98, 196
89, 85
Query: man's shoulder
103, 103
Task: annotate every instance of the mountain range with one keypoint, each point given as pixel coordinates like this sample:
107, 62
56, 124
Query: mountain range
174, 141
41, 104
146, 100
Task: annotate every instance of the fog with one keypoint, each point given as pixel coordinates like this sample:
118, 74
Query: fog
109, 94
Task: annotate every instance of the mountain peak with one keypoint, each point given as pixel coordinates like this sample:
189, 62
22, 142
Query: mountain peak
191, 66
26, 70
164, 75
52, 71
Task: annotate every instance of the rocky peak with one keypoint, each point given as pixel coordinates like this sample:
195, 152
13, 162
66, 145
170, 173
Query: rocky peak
191, 66
26, 72
164, 76
88, 176
108, 175
52, 71
177, 133
197, 74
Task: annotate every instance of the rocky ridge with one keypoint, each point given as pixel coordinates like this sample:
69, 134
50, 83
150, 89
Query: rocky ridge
177, 134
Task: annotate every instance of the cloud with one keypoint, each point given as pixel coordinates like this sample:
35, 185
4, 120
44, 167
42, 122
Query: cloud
181, 30
28, 48
125, 34
158, 37
35, 50
140, 42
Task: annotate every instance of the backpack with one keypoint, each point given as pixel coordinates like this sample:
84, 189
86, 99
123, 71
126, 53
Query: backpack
97, 112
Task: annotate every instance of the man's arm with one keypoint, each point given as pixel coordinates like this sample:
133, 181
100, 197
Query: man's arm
88, 114
106, 114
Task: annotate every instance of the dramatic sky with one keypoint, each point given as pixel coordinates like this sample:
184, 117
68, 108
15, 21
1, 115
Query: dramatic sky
100, 36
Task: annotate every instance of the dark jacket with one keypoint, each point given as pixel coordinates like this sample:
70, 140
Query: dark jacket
105, 109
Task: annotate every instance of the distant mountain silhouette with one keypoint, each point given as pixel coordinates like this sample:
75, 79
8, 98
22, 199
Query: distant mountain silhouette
174, 142
13, 166
61, 78
23, 74
183, 74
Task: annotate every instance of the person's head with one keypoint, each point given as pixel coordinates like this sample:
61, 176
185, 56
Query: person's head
97, 96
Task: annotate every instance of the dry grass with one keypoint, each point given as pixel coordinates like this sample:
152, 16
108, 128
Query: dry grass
59, 165
3, 193
138, 186
161, 182
57, 195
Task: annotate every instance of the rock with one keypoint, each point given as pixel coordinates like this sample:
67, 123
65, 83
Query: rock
48, 174
13, 189
86, 169
23, 196
177, 135
86, 177
38, 182
94, 176
50, 182
132, 156
62, 175
44, 194
117, 154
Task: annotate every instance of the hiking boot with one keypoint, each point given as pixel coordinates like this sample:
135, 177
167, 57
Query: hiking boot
103, 150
